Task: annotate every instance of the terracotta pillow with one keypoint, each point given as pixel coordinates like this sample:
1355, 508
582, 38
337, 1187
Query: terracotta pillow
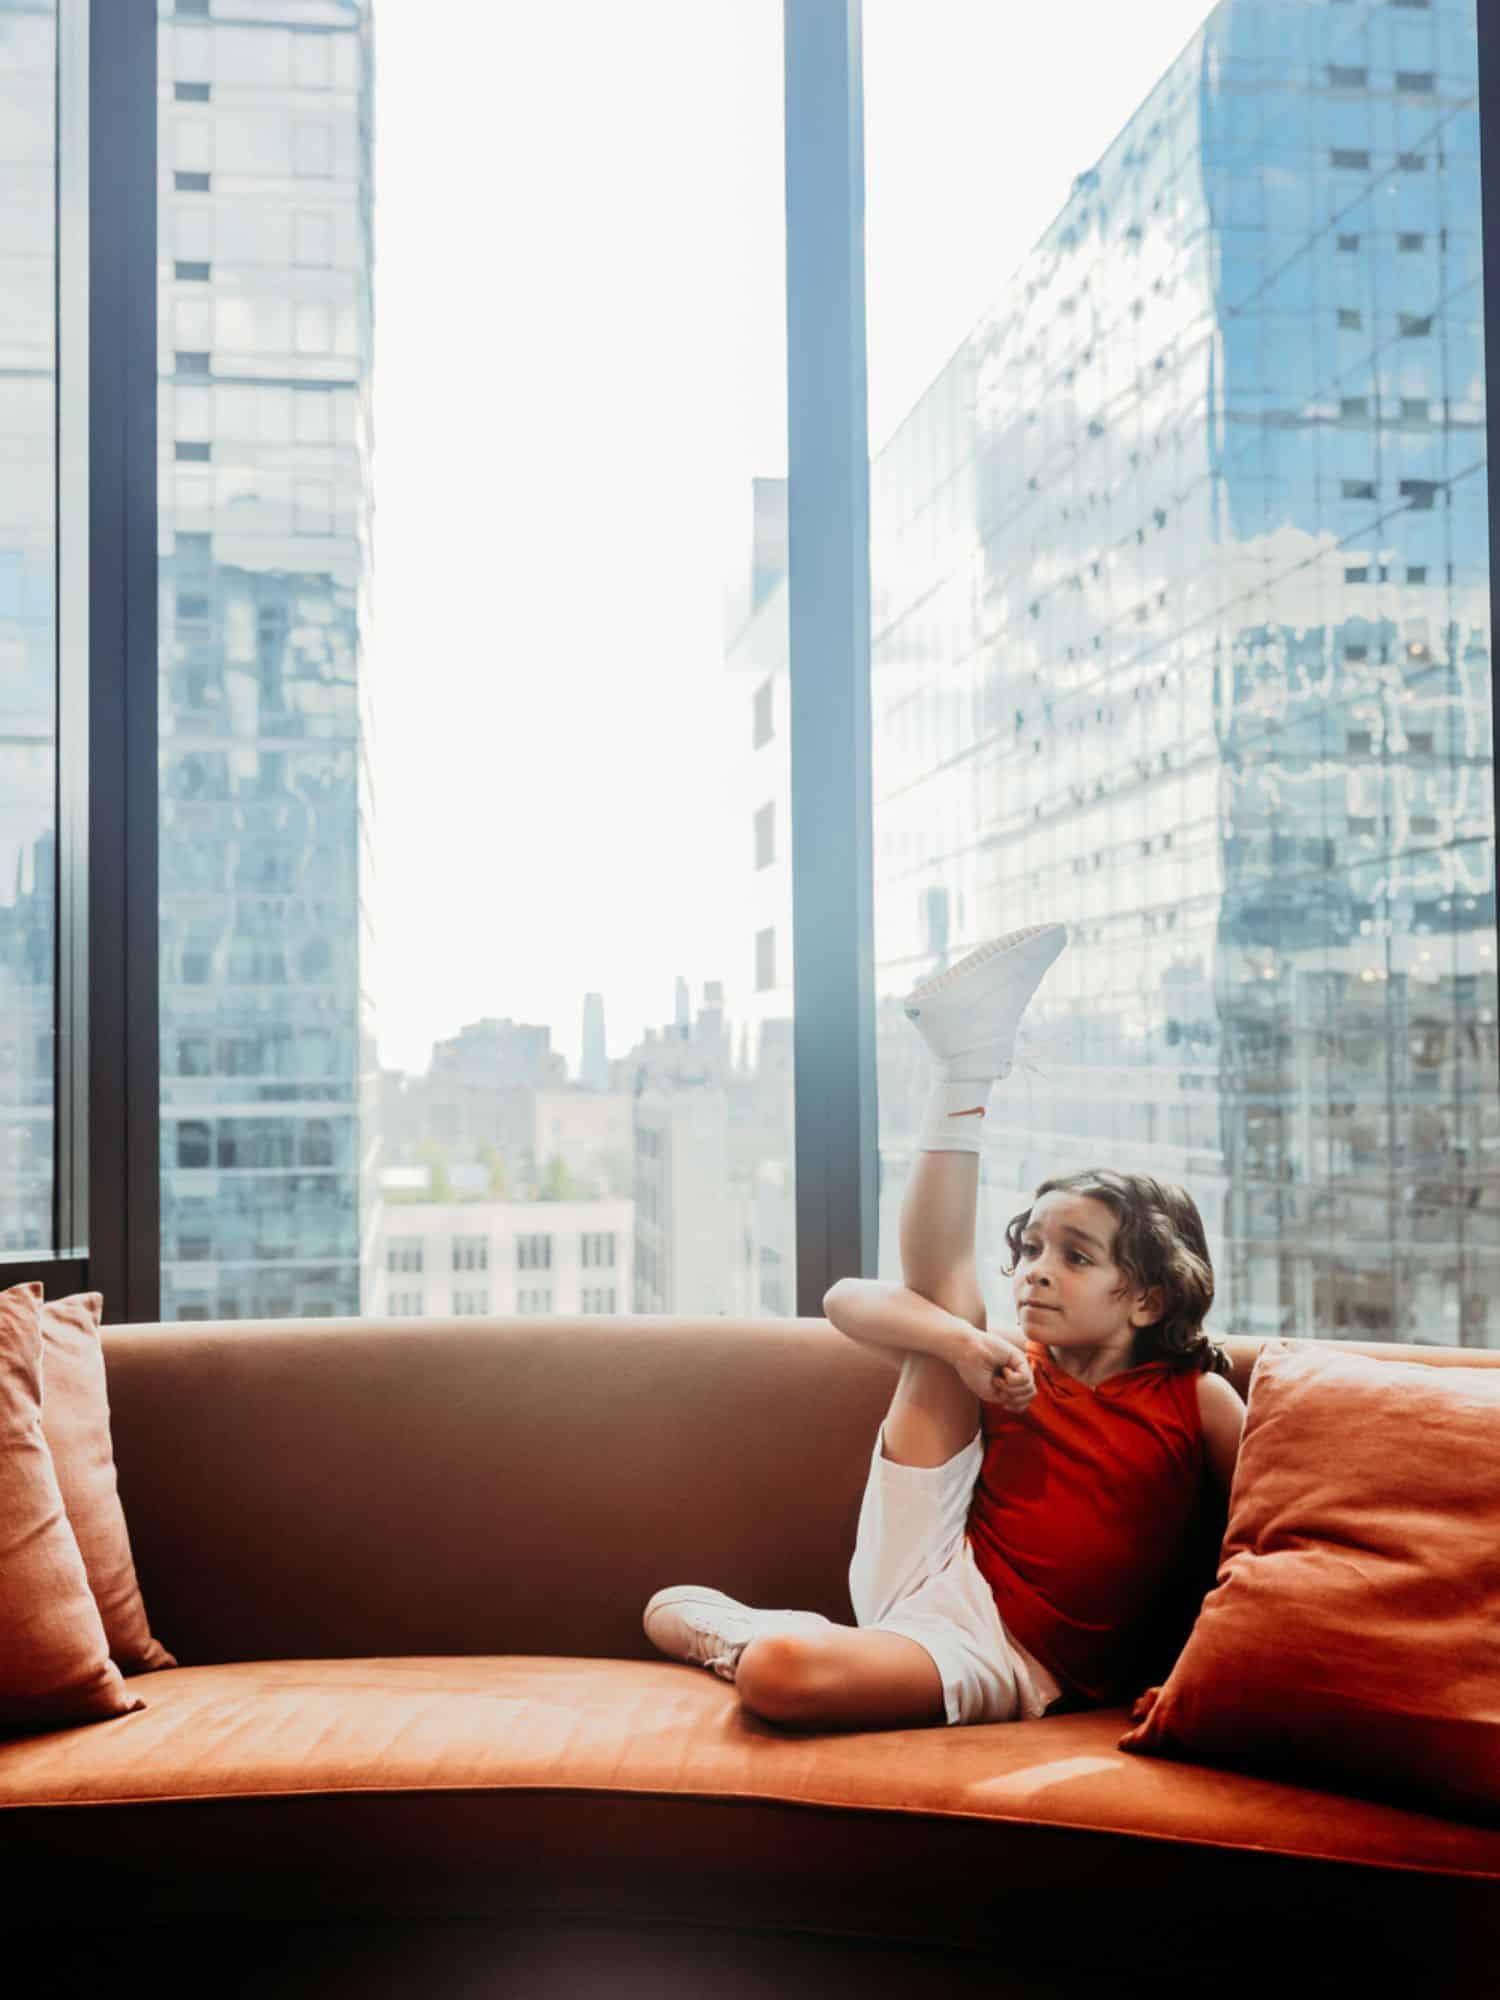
54, 1660
1351, 1637
75, 1423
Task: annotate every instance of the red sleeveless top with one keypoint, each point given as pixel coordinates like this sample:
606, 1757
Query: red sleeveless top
1082, 1514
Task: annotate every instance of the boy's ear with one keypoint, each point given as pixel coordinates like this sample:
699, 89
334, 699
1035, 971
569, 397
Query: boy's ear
1149, 1307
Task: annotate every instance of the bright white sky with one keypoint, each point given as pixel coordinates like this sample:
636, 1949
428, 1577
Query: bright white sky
579, 367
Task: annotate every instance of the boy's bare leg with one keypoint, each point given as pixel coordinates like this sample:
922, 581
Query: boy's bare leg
932, 1415
846, 1677
849, 1676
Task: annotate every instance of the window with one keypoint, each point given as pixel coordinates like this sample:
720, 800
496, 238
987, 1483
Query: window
471, 1303
401, 1305
193, 93
192, 183
187, 270
1334, 667
471, 1253
765, 960
190, 453
191, 364
312, 150
765, 836
312, 238
761, 732
533, 1253
403, 1253
598, 1299
534, 1300
597, 1249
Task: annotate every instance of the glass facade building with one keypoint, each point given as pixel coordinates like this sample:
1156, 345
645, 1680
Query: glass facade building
1181, 613
265, 338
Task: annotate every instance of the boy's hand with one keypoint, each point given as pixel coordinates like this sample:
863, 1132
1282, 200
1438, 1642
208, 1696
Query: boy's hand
995, 1369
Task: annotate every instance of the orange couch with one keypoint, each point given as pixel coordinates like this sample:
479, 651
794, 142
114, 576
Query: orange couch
403, 1564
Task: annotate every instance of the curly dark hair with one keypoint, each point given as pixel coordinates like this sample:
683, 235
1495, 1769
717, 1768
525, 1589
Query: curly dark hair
1159, 1240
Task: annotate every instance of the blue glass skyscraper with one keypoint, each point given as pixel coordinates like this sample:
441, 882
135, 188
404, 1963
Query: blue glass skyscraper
1181, 635
265, 315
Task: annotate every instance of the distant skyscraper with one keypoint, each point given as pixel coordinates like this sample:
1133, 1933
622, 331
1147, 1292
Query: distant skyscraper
682, 1018
593, 1071
265, 424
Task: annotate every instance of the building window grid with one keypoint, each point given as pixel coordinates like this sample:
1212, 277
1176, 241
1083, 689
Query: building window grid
471, 1253
534, 1253
597, 1250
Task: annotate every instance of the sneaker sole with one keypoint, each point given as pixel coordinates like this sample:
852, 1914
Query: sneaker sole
940, 981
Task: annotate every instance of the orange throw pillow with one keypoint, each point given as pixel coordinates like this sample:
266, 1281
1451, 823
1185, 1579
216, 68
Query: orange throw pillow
75, 1423
1353, 1635
54, 1660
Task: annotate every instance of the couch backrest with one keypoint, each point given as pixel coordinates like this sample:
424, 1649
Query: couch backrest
342, 1488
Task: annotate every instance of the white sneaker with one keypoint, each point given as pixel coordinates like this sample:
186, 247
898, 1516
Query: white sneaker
712, 1630
968, 1015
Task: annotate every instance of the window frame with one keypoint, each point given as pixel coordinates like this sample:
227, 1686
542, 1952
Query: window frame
107, 1103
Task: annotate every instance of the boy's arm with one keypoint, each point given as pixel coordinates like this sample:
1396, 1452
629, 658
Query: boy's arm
877, 1314
1223, 1417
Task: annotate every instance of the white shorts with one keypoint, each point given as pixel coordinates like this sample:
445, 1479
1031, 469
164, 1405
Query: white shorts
914, 1573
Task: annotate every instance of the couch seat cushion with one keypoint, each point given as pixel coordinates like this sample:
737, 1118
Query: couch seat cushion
492, 1784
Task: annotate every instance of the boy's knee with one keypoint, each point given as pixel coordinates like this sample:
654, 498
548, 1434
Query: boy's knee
781, 1676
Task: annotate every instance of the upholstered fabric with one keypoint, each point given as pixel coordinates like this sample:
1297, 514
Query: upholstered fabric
75, 1423
490, 1784
302, 1489
54, 1659
493, 1501
1353, 1635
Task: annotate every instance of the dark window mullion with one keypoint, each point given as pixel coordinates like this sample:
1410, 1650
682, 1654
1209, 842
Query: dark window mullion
124, 1067
829, 602
71, 1066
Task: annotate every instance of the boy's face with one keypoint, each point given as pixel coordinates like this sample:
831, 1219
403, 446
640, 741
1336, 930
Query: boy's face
1068, 1290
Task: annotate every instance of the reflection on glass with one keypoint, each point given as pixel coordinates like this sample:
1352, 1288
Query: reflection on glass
1181, 597
265, 347
28, 678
